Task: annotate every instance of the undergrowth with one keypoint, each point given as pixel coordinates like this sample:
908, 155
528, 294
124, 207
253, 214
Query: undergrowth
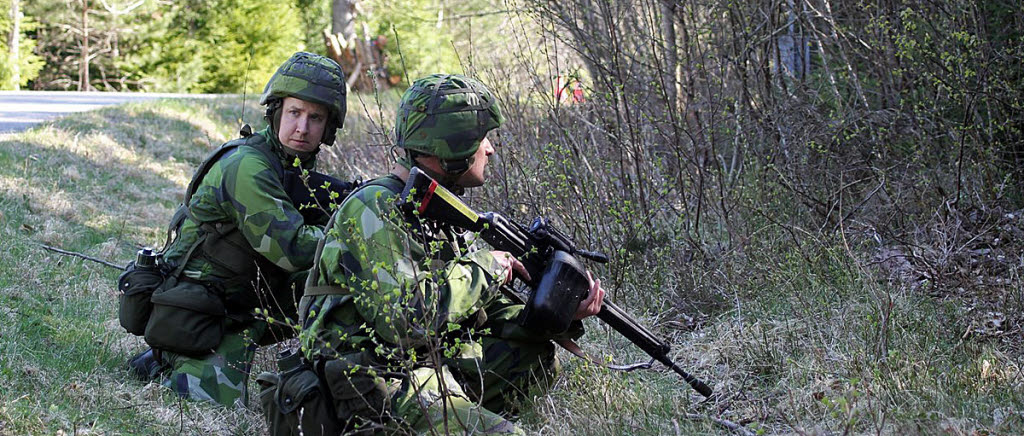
797, 331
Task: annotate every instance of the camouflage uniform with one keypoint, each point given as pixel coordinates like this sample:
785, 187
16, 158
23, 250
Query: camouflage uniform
419, 312
244, 189
267, 268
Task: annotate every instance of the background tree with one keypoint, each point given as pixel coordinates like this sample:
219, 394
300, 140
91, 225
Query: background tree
81, 42
190, 46
205, 46
18, 63
13, 45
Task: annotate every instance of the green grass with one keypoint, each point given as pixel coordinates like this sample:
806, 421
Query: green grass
100, 183
103, 183
797, 337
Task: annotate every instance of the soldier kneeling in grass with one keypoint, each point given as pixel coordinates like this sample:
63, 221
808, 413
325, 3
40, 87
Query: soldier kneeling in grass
404, 328
243, 242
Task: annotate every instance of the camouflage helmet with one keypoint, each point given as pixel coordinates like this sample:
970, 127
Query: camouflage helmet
312, 78
446, 116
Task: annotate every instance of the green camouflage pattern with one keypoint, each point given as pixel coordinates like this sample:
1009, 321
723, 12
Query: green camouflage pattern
417, 300
313, 78
243, 188
220, 377
435, 403
407, 289
446, 116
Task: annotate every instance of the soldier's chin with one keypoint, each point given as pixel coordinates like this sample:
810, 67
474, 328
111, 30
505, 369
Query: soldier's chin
304, 147
470, 181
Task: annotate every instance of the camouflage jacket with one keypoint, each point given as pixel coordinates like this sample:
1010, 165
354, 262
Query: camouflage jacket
403, 286
243, 190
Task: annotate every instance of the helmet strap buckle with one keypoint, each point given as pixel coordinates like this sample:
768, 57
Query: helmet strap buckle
455, 167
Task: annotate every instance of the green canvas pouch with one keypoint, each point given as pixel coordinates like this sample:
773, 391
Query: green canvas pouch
187, 318
134, 307
356, 391
293, 400
279, 423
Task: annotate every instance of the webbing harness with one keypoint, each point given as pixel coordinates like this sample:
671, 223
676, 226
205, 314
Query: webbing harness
220, 229
391, 183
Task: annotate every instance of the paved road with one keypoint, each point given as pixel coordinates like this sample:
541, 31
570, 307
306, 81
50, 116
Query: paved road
20, 110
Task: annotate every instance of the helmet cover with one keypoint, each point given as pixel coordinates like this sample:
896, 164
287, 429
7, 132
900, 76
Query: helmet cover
312, 78
446, 115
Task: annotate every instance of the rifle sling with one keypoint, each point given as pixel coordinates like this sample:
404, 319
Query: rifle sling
325, 290
574, 348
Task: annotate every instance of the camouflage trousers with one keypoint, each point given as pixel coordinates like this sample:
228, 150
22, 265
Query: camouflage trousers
220, 377
478, 391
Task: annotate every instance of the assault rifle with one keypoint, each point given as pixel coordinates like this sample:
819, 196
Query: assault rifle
558, 281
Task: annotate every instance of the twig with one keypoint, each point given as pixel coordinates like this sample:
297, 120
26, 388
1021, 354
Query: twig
72, 253
732, 426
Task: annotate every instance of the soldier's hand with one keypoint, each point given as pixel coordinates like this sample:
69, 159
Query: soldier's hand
511, 265
592, 304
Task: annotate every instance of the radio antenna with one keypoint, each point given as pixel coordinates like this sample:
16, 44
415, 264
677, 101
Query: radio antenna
246, 130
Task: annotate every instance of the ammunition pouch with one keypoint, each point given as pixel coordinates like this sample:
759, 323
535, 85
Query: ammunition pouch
187, 318
253, 277
358, 394
226, 247
295, 399
137, 286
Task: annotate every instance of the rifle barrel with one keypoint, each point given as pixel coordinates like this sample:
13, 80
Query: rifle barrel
621, 322
694, 382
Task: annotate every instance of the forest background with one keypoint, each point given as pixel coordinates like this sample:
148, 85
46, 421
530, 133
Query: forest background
819, 204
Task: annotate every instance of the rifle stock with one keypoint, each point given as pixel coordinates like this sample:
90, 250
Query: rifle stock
538, 247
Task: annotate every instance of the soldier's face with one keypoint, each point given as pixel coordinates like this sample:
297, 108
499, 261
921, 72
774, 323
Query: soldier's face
475, 176
302, 124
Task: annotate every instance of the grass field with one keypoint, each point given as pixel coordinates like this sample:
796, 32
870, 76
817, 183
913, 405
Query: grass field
810, 335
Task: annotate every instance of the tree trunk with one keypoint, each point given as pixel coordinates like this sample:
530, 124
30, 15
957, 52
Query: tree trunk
670, 77
343, 19
13, 41
83, 68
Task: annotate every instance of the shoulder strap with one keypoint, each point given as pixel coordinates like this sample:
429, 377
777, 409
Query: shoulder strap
391, 183
314, 291
197, 177
212, 158
263, 146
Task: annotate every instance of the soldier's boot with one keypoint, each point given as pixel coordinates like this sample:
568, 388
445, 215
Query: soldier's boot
145, 366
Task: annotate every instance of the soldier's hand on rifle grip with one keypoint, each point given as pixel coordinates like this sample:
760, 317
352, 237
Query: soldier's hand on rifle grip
511, 265
591, 305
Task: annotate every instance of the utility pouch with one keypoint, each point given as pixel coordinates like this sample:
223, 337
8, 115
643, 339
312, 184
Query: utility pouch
356, 392
292, 400
226, 247
137, 286
187, 318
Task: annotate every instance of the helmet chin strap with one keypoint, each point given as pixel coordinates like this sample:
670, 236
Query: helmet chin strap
452, 170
